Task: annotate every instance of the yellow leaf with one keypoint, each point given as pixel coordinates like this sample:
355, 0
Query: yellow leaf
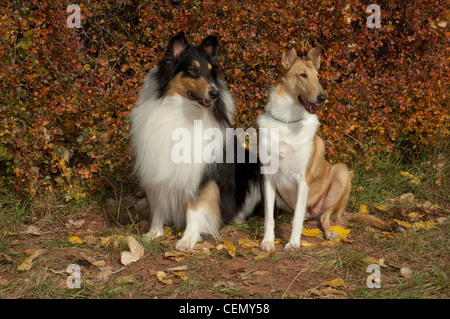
27, 263
304, 243
427, 224
342, 232
363, 209
248, 243
230, 247
75, 240
402, 223
176, 256
162, 277
265, 255
311, 232
381, 207
371, 260
335, 282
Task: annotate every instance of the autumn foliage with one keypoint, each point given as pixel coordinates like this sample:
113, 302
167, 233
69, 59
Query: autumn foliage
65, 94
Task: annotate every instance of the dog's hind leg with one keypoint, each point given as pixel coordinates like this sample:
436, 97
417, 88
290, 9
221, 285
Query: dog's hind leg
336, 198
202, 216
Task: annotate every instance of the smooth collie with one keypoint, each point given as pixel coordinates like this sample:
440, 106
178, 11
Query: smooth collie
305, 182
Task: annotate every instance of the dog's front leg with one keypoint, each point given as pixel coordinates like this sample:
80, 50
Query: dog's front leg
299, 216
268, 242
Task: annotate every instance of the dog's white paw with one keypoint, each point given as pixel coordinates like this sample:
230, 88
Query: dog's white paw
331, 235
292, 245
153, 234
267, 245
183, 245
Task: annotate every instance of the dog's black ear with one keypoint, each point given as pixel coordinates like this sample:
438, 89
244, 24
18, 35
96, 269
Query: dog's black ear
177, 44
288, 58
210, 45
314, 55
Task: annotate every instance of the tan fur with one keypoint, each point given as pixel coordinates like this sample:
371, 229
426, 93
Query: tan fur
292, 82
329, 185
181, 84
209, 197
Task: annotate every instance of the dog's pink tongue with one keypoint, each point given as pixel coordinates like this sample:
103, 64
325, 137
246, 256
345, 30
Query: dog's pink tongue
206, 103
310, 107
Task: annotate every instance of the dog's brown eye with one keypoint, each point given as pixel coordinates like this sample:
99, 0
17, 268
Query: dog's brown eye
303, 75
193, 70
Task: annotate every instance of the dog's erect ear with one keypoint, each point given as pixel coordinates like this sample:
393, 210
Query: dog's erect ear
210, 45
177, 44
314, 55
288, 58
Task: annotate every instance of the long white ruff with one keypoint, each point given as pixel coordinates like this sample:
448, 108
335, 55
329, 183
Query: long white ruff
169, 185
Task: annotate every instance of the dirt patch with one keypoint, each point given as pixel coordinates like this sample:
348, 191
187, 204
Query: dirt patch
320, 270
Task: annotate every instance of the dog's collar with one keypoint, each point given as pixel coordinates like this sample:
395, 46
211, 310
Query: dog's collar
285, 122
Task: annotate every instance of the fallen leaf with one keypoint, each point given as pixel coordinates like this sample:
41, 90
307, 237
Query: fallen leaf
335, 282
342, 232
363, 209
75, 223
248, 243
381, 207
407, 197
33, 230
265, 255
92, 261
311, 232
181, 274
402, 223
426, 224
177, 268
136, 251
230, 247
176, 255
75, 240
27, 263
406, 272
104, 273
162, 277
305, 244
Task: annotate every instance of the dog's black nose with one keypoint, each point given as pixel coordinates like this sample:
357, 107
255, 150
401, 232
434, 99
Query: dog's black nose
214, 94
321, 98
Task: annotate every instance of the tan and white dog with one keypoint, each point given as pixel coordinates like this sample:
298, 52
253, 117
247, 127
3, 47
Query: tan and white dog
305, 181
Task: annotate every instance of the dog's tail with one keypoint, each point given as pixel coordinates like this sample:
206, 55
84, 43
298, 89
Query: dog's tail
373, 221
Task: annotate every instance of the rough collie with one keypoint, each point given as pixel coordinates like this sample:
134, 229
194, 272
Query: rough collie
200, 191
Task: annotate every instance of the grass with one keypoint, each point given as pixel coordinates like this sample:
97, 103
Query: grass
295, 274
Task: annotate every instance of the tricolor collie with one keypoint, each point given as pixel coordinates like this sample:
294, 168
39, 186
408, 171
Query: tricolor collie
305, 182
184, 89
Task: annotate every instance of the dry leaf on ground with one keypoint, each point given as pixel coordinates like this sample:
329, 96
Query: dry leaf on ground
27, 263
342, 232
406, 272
136, 251
230, 247
162, 277
311, 232
75, 240
335, 282
363, 209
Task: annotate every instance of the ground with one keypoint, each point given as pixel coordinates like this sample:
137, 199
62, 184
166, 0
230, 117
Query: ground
412, 264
